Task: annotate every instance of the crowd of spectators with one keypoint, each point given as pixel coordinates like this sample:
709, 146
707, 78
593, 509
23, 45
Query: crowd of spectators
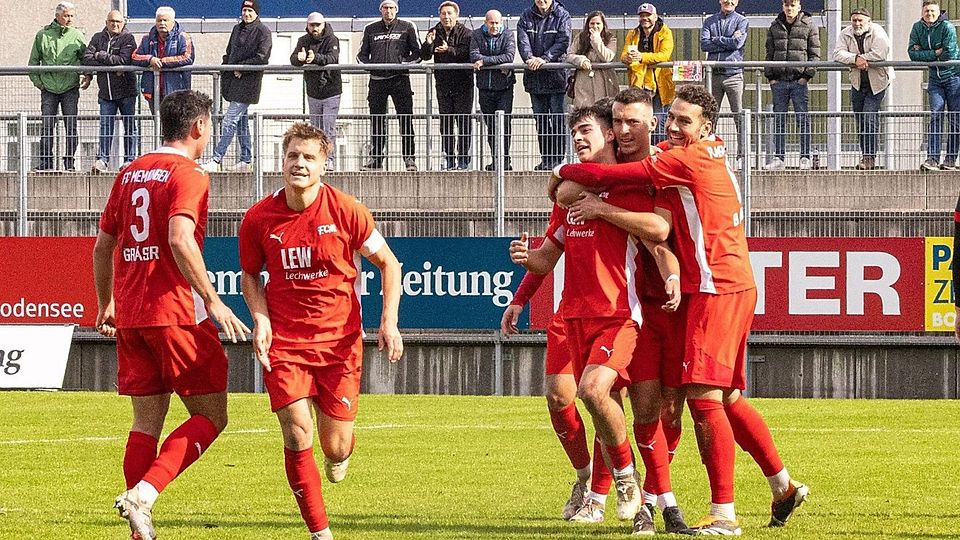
543, 35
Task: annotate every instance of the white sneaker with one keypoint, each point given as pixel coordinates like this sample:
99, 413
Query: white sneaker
805, 164
776, 164
578, 495
99, 167
336, 471
137, 514
211, 166
241, 167
629, 496
322, 535
738, 164
590, 512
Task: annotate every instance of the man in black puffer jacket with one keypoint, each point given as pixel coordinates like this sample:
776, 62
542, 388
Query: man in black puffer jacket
792, 37
250, 43
114, 46
321, 47
390, 41
449, 43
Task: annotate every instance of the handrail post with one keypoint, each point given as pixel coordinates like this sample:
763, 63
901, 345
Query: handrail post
257, 135
758, 85
428, 71
217, 125
498, 207
23, 169
746, 171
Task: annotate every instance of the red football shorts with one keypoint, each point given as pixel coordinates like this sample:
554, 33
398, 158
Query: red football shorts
188, 360
608, 342
660, 347
329, 374
716, 345
558, 356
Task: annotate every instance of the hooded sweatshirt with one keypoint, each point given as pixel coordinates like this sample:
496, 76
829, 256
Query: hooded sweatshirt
940, 35
326, 50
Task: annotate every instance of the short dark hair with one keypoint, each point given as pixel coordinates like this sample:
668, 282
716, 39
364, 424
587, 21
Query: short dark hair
602, 111
179, 110
307, 132
930, 3
698, 95
633, 94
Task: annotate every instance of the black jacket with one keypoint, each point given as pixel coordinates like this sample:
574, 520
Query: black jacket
395, 44
458, 40
249, 44
320, 84
800, 42
494, 51
117, 51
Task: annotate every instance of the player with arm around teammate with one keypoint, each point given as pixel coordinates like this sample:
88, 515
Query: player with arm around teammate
307, 322
154, 296
716, 275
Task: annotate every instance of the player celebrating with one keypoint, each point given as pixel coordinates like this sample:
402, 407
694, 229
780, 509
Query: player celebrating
722, 297
589, 493
655, 395
307, 323
153, 294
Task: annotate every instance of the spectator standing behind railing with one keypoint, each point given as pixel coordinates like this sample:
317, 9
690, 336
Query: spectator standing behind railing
723, 37
449, 43
934, 39
390, 41
114, 46
862, 42
493, 45
595, 43
792, 36
165, 46
321, 47
543, 35
58, 44
250, 44
649, 43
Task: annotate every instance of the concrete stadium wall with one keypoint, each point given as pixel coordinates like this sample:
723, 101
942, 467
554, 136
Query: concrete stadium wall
460, 365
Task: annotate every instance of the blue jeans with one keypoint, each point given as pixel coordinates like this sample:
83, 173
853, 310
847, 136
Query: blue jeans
323, 116
490, 102
945, 92
235, 122
660, 111
108, 111
785, 92
548, 114
865, 108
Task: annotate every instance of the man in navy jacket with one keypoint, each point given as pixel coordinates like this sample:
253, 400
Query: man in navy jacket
723, 37
166, 46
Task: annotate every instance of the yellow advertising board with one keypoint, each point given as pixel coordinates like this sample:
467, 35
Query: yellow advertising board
940, 315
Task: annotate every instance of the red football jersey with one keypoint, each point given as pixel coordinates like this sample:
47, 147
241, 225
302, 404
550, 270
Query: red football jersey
602, 261
313, 259
714, 242
148, 288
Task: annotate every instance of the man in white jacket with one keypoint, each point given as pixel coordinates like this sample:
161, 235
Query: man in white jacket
859, 45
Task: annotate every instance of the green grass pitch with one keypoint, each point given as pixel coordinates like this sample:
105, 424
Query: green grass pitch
441, 467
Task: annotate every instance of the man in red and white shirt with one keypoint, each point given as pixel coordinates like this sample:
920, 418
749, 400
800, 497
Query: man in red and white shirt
308, 328
593, 477
716, 273
154, 295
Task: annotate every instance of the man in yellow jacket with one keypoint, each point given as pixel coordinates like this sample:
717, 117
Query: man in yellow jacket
649, 43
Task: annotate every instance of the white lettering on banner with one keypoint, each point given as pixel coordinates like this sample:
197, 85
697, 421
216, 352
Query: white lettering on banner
34, 356
944, 320
227, 283
40, 310
854, 289
801, 282
439, 282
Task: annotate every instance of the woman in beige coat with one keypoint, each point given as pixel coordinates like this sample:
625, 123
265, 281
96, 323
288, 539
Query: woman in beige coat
594, 44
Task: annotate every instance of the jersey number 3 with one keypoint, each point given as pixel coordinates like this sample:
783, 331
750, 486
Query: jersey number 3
141, 202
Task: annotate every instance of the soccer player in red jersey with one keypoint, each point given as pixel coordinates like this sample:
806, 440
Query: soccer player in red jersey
593, 478
717, 276
307, 322
153, 294
655, 394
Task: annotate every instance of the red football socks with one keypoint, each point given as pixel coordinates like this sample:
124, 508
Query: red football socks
653, 451
602, 477
139, 455
181, 448
753, 435
621, 456
715, 439
672, 436
569, 427
304, 478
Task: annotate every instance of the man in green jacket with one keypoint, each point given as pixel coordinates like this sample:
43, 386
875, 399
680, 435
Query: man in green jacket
934, 39
58, 44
